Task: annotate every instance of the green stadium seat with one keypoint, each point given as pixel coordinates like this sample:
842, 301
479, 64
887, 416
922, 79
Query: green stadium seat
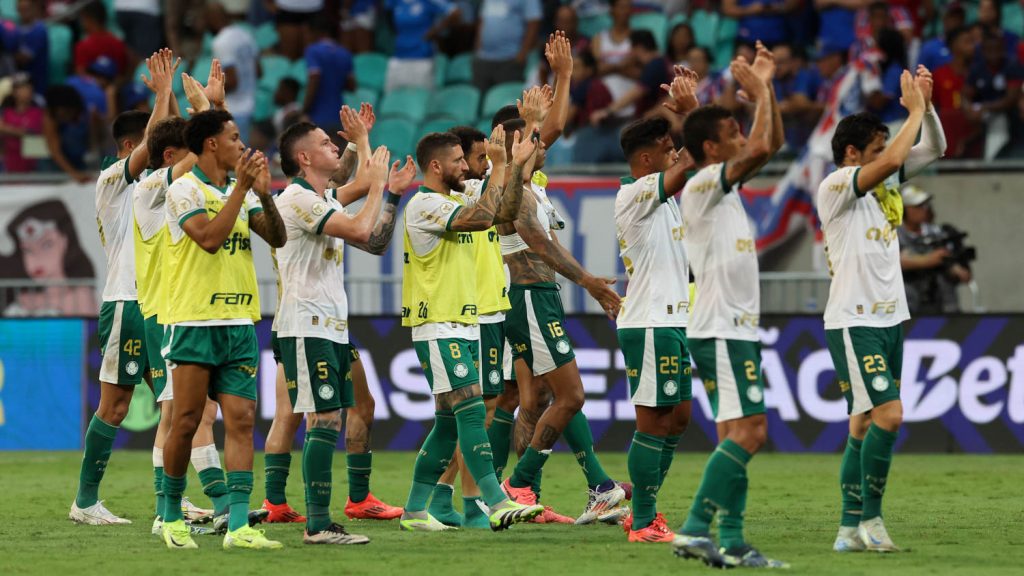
484, 125
409, 103
653, 21
438, 125
459, 102
705, 28
272, 69
1013, 17
370, 70
200, 69
360, 95
298, 71
440, 69
266, 35
206, 48
59, 40
501, 95
593, 25
460, 70
398, 134
726, 41
264, 107
9, 10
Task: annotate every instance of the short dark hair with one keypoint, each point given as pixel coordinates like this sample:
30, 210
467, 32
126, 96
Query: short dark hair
168, 133
878, 5
706, 52
130, 124
63, 96
955, 33
286, 144
97, 11
510, 127
586, 58
430, 145
700, 126
291, 84
642, 134
504, 114
857, 130
468, 136
205, 125
644, 39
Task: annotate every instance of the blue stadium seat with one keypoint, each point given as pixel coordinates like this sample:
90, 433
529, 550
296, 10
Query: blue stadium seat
59, 39
459, 102
501, 95
360, 95
398, 134
409, 103
460, 70
370, 69
653, 21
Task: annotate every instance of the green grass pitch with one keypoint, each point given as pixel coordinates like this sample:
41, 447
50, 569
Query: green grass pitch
958, 515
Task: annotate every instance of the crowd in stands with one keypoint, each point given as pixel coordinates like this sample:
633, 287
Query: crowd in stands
69, 67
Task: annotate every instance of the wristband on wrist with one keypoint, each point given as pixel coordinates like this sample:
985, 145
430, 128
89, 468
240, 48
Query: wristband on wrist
392, 198
352, 147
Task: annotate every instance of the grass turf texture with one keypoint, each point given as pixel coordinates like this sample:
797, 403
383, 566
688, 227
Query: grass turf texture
958, 514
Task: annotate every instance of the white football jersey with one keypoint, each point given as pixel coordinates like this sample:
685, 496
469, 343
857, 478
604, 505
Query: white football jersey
863, 254
720, 245
148, 200
114, 221
311, 267
650, 233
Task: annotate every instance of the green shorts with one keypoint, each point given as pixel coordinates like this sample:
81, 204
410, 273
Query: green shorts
353, 354
318, 374
157, 366
657, 365
731, 372
122, 335
448, 363
534, 327
877, 354
231, 353
492, 358
275, 346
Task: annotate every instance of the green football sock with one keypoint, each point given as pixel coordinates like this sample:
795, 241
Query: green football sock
537, 481
441, 506
875, 459
475, 516
317, 457
730, 521
527, 471
276, 468
476, 450
359, 467
645, 472
215, 489
500, 436
850, 483
239, 489
158, 485
174, 487
99, 441
724, 476
581, 441
668, 452
434, 457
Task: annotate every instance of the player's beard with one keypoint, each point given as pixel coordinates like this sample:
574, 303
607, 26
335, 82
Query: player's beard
454, 182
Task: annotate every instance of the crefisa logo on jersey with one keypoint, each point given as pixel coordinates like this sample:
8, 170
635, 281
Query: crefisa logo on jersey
237, 242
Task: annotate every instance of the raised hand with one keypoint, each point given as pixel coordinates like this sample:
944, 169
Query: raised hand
925, 83
523, 149
399, 180
261, 182
214, 89
161, 70
245, 174
366, 113
495, 146
353, 127
682, 92
377, 166
753, 87
911, 97
764, 63
194, 93
534, 107
558, 52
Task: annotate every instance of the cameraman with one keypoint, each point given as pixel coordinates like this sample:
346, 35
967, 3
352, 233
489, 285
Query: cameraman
931, 268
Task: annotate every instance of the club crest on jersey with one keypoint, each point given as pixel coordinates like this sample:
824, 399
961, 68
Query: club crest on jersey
319, 209
670, 388
494, 377
460, 370
563, 347
326, 391
880, 383
132, 368
754, 394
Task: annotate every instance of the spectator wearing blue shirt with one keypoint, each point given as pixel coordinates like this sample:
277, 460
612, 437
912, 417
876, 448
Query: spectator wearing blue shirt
990, 17
892, 60
329, 67
934, 53
507, 33
28, 43
66, 131
417, 24
93, 88
764, 20
838, 21
993, 84
795, 91
655, 70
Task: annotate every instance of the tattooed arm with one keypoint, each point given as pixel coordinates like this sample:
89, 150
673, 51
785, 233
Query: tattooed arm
268, 223
380, 237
